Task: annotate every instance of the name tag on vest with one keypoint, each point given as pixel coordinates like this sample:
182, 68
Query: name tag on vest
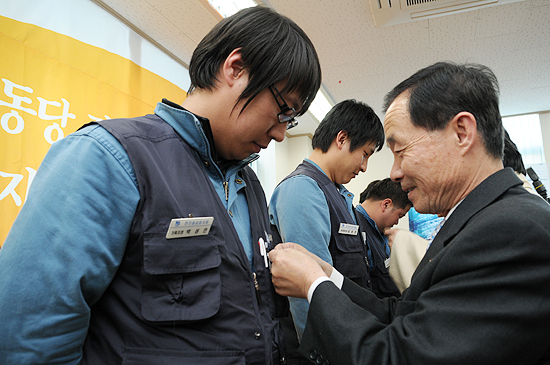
350, 229
189, 227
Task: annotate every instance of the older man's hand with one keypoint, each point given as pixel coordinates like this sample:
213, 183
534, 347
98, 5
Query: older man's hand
294, 269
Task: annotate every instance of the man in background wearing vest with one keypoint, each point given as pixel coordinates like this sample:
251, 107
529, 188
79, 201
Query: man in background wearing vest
313, 208
144, 240
381, 206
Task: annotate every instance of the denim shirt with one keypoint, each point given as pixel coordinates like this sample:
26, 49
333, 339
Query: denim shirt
299, 209
61, 253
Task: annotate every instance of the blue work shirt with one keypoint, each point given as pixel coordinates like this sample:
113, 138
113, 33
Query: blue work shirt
299, 210
61, 253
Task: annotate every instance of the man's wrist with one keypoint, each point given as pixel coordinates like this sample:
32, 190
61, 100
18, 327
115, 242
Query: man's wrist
314, 286
336, 278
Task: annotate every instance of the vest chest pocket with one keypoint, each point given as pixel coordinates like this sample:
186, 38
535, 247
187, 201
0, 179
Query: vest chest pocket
349, 244
350, 256
180, 278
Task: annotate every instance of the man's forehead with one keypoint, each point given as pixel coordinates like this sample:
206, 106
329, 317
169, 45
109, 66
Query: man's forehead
404, 133
398, 125
394, 131
400, 101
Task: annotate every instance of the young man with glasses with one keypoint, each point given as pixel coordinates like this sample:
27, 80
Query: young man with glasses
152, 250
311, 207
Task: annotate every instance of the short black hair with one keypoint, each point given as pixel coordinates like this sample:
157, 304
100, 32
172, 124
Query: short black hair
512, 156
357, 119
442, 90
273, 49
386, 188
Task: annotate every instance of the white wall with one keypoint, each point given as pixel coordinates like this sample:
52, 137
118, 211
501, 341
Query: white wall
545, 129
279, 160
298, 149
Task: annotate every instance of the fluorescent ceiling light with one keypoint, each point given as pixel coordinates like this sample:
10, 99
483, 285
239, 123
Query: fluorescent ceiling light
229, 7
320, 106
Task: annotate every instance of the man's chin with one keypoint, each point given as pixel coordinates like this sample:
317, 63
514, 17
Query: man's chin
422, 210
351, 178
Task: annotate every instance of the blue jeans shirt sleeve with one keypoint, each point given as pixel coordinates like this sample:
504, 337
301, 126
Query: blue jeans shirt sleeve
300, 211
64, 248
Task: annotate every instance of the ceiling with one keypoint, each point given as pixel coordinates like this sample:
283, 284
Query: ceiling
364, 62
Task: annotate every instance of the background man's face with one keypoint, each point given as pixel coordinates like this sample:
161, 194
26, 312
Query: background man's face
391, 216
353, 163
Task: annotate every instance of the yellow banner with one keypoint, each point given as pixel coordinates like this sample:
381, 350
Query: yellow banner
52, 84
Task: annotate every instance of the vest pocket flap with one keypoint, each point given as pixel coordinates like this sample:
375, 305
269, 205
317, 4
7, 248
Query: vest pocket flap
180, 255
349, 244
180, 278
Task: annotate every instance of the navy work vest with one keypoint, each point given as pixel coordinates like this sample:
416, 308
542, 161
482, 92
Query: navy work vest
190, 300
382, 284
348, 252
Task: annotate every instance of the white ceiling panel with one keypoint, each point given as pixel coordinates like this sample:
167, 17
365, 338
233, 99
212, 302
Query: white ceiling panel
176, 42
407, 38
190, 17
491, 19
160, 3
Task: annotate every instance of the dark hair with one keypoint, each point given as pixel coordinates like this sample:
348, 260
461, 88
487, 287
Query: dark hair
512, 156
357, 119
386, 188
442, 90
273, 49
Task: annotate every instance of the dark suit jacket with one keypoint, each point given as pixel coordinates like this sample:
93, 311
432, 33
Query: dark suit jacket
481, 294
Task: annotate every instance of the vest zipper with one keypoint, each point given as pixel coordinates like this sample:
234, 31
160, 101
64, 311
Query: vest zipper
257, 286
226, 188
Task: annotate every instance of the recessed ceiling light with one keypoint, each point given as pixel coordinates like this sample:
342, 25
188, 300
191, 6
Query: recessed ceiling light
229, 7
320, 106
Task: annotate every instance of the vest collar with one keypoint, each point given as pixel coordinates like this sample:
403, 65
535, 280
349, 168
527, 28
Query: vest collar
196, 131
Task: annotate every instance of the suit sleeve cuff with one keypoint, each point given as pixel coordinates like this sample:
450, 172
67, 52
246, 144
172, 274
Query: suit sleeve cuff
335, 277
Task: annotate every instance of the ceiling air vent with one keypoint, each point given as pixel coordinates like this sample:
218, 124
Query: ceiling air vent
391, 12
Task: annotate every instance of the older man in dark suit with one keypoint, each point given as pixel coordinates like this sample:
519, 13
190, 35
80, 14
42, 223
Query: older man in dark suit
481, 294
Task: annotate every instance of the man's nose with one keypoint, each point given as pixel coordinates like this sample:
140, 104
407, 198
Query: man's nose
396, 174
278, 132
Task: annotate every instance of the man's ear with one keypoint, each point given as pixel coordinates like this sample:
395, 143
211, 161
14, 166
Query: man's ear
233, 67
386, 204
341, 139
464, 125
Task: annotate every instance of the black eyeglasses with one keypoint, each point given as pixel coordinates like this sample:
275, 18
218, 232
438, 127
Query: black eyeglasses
287, 113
